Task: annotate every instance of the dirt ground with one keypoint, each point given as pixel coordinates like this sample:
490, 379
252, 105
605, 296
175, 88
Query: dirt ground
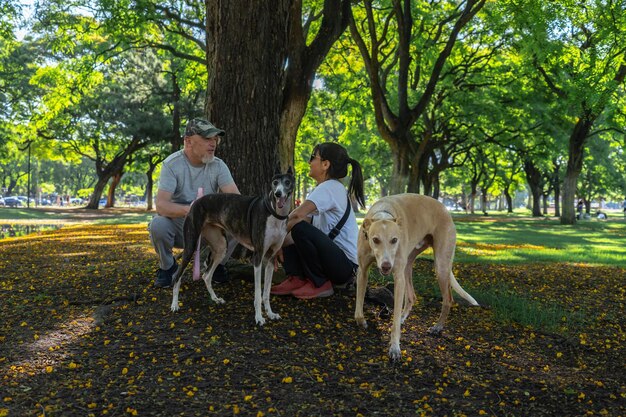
84, 332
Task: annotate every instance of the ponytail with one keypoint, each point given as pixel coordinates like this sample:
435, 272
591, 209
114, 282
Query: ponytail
355, 188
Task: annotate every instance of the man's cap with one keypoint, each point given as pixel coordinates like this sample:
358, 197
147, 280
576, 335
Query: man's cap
203, 128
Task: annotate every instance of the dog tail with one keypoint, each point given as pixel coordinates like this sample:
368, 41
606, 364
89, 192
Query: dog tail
459, 290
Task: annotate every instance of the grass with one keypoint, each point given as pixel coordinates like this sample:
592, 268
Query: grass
7, 213
506, 303
519, 241
508, 306
76, 214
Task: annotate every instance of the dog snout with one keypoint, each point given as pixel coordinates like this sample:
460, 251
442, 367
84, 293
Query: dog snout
385, 268
278, 194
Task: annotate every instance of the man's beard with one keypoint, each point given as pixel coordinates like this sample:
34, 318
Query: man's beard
207, 158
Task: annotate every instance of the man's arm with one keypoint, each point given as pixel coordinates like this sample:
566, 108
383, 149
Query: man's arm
230, 189
166, 207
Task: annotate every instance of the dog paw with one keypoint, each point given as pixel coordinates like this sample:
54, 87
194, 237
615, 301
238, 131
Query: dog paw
361, 322
273, 316
219, 300
394, 353
260, 321
174, 307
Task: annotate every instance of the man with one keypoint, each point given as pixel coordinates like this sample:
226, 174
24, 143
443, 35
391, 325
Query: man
183, 174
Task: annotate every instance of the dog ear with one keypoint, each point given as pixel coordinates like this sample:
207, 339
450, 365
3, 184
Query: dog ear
365, 226
289, 170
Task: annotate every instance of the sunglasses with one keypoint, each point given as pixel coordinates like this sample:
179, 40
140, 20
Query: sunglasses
313, 156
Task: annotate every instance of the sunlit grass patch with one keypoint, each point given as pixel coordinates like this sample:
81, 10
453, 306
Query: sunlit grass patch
524, 241
509, 306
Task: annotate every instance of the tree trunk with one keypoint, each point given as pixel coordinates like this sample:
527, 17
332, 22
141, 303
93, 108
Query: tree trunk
534, 179
115, 180
98, 189
106, 171
472, 196
557, 189
400, 175
261, 65
509, 200
574, 167
245, 85
436, 185
483, 201
152, 164
413, 181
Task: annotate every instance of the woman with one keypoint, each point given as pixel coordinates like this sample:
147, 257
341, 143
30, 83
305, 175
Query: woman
315, 258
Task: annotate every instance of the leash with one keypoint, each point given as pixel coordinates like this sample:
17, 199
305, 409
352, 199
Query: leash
249, 214
267, 205
196, 258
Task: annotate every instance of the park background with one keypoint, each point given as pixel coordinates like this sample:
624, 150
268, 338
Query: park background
489, 105
470, 101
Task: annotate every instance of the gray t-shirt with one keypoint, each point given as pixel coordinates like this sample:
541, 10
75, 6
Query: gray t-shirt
182, 179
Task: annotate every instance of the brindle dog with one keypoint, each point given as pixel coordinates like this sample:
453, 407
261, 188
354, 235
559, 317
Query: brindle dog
258, 223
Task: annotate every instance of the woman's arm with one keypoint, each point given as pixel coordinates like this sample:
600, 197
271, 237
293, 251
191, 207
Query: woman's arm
301, 213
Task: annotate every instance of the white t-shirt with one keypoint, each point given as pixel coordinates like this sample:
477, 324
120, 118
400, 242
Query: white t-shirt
182, 179
330, 198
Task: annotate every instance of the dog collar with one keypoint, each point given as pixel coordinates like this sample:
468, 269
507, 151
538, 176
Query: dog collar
269, 208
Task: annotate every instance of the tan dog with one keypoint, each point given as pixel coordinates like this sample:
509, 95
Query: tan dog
395, 230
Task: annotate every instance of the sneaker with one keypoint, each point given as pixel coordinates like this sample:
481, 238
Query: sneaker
309, 290
164, 277
293, 282
220, 276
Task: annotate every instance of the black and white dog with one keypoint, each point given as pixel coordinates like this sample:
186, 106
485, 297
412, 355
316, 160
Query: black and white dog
258, 223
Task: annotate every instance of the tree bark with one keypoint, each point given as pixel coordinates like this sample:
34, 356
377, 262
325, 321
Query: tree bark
509, 199
106, 171
153, 161
115, 180
245, 82
261, 72
401, 170
557, 188
534, 179
574, 167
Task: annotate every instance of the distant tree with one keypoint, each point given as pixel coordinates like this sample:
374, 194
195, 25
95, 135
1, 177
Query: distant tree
405, 46
578, 51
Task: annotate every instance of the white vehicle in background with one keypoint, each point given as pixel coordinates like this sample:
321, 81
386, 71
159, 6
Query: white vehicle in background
13, 201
